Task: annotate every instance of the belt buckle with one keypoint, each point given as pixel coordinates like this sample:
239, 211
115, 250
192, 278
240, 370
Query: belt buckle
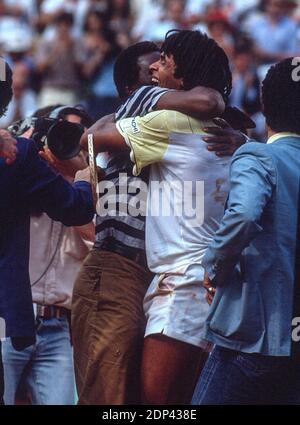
48, 311
40, 311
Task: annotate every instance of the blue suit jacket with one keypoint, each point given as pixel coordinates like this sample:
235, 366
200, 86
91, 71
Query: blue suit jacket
252, 257
28, 184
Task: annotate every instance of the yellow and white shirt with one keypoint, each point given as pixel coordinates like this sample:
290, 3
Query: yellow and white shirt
188, 186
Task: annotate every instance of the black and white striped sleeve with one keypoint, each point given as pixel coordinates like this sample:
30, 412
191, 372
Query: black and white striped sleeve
141, 102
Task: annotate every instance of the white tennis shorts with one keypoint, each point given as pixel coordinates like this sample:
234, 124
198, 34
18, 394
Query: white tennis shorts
175, 306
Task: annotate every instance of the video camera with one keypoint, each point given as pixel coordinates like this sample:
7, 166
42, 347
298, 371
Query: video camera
62, 137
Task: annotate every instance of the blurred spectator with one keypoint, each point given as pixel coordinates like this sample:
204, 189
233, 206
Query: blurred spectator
98, 51
297, 13
16, 46
23, 103
275, 32
15, 28
17, 12
196, 11
245, 93
171, 16
233, 9
221, 31
94, 45
120, 20
57, 64
51, 9
195, 7
147, 12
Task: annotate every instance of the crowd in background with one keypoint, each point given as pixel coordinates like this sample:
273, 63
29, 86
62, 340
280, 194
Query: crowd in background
63, 51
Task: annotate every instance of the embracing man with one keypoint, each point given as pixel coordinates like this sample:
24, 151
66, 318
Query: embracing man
171, 143
108, 321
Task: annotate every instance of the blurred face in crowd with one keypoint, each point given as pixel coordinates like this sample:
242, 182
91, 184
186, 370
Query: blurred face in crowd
275, 9
63, 30
217, 29
163, 73
20, 79
73, 118
94, 22
242, 61
175, 10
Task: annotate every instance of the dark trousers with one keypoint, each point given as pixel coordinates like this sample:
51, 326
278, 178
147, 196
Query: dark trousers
1, 377
236, 378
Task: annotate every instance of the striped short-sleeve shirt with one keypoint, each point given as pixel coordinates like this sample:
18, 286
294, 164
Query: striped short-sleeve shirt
127, 229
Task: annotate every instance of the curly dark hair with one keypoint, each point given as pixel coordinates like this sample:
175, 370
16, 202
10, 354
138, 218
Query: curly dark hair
126, 69
281, 97
199, 60
5, 88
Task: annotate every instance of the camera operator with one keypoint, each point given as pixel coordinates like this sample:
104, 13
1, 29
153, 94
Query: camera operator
56, 255
30, 183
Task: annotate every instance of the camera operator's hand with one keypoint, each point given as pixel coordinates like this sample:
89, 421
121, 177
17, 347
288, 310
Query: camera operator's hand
67, 168
8, 147
85, 175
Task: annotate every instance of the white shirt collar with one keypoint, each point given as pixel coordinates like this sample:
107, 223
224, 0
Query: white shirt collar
277, 136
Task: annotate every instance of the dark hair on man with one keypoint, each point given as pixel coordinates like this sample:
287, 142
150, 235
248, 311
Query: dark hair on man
64, 18
281, 97
126, 69
5, 89
199, 61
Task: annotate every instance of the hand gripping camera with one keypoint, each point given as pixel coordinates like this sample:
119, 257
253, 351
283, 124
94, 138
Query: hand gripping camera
61, 137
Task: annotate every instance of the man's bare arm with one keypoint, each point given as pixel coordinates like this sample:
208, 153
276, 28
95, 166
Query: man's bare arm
201, 102
106, 136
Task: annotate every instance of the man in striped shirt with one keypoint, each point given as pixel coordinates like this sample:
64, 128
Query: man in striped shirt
107, 318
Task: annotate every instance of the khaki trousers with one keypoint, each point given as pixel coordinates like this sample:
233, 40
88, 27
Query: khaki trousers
108, 328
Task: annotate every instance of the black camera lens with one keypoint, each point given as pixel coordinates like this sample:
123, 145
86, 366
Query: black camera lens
63, 139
